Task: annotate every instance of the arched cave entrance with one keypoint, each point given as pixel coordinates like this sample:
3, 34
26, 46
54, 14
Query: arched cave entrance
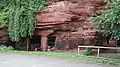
51, 41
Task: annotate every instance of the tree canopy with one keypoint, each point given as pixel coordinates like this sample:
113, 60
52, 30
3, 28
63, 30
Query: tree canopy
109, 20
20, 16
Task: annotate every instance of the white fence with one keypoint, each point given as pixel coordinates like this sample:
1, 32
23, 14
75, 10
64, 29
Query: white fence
98, 48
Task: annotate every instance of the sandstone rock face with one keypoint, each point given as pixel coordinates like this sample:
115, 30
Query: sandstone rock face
69, 11
70, 19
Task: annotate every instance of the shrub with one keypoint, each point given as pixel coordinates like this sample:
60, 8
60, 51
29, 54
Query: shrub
88, 51
4, 48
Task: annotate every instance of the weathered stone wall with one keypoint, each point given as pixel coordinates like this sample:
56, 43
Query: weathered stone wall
70, 40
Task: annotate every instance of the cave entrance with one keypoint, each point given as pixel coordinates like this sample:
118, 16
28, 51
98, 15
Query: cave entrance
118, 43
35, 42
51, 41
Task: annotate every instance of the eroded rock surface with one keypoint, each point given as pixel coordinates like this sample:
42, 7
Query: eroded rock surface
70, 19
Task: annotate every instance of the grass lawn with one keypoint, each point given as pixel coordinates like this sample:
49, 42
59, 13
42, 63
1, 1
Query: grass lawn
113, 60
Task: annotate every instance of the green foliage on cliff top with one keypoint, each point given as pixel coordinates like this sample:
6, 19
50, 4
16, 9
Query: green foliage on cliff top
109, 20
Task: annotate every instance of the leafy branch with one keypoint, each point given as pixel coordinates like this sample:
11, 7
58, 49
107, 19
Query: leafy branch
109, 20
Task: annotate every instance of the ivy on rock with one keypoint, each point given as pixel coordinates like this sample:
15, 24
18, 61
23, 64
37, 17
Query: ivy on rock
21, 13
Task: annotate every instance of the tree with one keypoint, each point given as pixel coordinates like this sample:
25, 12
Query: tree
20, 20
109, 20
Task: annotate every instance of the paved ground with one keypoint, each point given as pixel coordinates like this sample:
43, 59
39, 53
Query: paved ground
14, 60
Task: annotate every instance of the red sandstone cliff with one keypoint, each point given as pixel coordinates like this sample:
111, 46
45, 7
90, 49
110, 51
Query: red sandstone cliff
70, 21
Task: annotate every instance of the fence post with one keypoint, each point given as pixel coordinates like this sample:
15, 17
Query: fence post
78, 50
98, 52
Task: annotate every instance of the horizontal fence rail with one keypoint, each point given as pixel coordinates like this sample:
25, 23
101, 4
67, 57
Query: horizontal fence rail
98, 48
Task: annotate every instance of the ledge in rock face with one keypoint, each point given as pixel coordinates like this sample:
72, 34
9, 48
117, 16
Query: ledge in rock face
62, 11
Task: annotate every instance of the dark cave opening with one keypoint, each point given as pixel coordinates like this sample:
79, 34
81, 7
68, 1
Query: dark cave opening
51, 41
35, 42
118, 43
